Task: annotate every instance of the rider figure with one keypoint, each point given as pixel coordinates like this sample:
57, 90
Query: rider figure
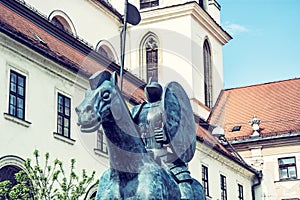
150, 119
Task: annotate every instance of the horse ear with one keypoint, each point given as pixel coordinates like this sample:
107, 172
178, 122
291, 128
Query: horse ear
98, 78
114, 78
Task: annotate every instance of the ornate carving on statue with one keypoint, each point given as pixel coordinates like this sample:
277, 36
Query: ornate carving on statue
147, 149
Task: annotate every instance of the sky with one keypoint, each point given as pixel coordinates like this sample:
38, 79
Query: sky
266, 41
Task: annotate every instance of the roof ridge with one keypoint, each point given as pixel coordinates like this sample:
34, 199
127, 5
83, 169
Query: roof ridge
261, 84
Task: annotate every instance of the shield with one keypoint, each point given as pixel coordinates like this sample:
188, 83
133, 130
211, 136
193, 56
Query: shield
180, 123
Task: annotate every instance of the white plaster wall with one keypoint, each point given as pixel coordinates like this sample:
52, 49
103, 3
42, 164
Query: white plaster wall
91, 23
214, 10
199, 35
175, 50
218, 164
43, 79
267, 161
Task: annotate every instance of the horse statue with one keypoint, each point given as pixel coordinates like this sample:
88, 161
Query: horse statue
133, 172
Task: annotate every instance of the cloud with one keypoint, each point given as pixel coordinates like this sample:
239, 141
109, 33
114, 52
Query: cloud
235, 29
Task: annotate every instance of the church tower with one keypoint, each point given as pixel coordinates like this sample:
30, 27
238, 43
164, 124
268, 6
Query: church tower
179, 40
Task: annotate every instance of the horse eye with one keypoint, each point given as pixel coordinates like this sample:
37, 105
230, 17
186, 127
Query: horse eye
106, 96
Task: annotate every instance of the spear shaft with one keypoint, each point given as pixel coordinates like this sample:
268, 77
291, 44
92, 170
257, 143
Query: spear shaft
123, 42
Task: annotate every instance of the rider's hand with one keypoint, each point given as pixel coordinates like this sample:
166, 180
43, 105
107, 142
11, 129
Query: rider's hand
160, 136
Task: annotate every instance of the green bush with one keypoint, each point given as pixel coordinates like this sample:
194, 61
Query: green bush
48, 182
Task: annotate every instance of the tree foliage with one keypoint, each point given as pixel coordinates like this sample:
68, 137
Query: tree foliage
47, 182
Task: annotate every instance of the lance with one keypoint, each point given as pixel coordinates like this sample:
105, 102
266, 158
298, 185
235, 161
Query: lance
133, 17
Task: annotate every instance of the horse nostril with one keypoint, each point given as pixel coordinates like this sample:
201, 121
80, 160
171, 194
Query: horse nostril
89, 108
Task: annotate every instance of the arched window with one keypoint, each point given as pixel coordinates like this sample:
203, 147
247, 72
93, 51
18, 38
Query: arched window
149, 51
8, 173
91, 193
9, 166
207, 74
107, 50
62, 21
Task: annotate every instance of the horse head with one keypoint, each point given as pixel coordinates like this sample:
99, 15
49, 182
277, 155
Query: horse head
95, 108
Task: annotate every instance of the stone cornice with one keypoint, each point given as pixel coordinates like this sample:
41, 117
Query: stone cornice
188, 9
229, 163
212, 26
107, 9
289, 139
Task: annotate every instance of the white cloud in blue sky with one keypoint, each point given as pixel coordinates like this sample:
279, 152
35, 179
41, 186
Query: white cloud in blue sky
234, 29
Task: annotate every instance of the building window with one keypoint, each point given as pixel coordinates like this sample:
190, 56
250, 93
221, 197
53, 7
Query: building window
236, 128
148, 3
17, 95
151, 57
241, 192
207, 74
287, 168
63, 115
205, 179
201, 3
101, 141
61, 20
8, 173
223, 187
149, 51
106, 52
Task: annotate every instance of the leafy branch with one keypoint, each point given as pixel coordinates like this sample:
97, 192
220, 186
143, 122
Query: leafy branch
48, 182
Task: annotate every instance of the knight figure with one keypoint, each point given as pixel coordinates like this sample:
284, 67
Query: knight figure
159, 129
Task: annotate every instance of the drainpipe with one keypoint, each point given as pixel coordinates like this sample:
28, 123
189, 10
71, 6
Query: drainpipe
259, 177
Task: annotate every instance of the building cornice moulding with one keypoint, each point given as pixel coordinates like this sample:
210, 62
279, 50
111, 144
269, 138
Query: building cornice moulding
230, 164
188, 9
212, 26
46, 64
110, 11
291, 139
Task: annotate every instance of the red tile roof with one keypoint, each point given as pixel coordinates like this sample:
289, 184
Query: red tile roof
276, 104
22, 28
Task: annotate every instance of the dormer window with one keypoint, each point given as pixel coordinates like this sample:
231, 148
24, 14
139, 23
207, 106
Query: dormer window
148, 3
62, 21
236, 128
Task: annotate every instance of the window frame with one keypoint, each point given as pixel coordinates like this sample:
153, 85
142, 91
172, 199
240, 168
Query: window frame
223, 187
286, 167
16, 95
205, 182
152, 63
240, 192
148, 3
149, 46
63, 115
101, 142
207, 69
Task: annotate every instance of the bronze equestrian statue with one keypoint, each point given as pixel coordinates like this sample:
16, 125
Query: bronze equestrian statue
147, 149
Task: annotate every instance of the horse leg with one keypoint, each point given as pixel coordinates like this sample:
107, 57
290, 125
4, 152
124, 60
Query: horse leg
155, 183
108, 187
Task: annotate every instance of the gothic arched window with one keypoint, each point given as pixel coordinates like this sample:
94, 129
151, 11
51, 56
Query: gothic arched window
149, 57
207, 74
